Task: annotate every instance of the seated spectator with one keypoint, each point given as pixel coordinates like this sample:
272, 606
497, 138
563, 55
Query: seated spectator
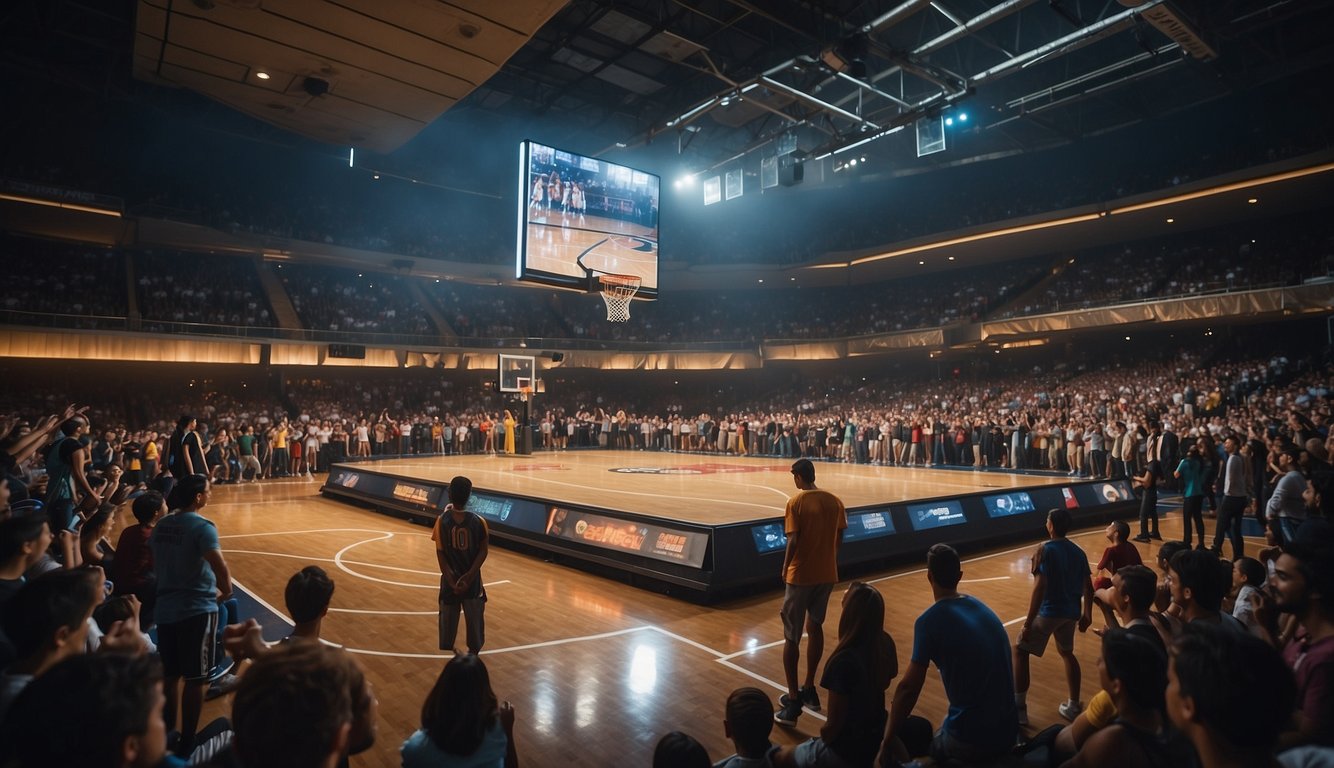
47, 622
23, 541
1198, 587
298, 705
1132, 594
1303, 576
968, 644
132, 569
1120, 554
308, 594
1162, 601
1248, 577
93, 534
90, 710
858, 672
748, 721
679, 750
462, 722
1233, 719
1133, 671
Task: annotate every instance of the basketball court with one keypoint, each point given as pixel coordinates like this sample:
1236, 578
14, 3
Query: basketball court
710, 489
598, 670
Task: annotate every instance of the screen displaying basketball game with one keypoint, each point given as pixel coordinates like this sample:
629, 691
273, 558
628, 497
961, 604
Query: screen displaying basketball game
580, 216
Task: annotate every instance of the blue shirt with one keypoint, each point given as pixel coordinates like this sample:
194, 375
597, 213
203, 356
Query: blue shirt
970, 647
1192, 477
186, 584
1066, 568
420, 752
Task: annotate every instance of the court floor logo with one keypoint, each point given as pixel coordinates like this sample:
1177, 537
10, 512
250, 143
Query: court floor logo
698, 469
657, 470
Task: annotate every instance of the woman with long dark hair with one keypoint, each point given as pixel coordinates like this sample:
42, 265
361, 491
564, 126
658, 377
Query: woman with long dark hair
856, 676
462, 722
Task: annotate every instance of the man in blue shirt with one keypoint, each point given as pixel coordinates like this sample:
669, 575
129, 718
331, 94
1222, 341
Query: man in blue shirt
1062, 582
192, 578
969, 645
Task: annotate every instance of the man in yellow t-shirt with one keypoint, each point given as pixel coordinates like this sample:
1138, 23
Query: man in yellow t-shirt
813, 521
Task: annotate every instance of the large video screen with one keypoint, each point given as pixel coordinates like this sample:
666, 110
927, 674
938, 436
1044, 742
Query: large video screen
579, 214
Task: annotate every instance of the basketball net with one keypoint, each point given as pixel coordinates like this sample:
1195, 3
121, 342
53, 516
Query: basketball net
617, 291
525, 393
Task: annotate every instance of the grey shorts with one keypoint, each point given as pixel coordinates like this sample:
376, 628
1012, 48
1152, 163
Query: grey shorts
1046, 627
800, 602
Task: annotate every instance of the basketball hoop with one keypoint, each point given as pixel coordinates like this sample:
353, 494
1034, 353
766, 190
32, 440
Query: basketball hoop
525, 393
617, 291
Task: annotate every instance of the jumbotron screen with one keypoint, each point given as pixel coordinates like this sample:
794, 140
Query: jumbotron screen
578, 214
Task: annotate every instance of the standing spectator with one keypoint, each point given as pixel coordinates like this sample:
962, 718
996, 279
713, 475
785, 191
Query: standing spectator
65, 462
462, 542
1286, 509
192, 578
245, 444
1191, 473
462, 723
968, 644
814, 521
1236, 492
1061, 583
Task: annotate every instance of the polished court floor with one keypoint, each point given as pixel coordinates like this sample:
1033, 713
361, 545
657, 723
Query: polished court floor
596, 670
710, 489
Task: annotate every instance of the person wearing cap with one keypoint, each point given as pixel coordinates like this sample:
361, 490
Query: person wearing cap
813, 521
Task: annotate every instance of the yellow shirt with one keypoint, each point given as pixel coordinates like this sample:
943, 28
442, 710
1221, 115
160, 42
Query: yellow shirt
280, 438
818, 518
1101, 710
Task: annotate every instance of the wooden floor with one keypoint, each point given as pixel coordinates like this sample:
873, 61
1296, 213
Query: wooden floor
597, 671
556, 241
707, 489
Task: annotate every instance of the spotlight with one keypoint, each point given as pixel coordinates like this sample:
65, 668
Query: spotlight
963, 117
949, 121
852, 163
262, 75
686, 181
1253, 200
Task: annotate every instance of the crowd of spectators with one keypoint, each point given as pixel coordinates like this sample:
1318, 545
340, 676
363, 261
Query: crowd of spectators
338, 299
199, 288
64, 635
85, 283
1288, 251
192, 288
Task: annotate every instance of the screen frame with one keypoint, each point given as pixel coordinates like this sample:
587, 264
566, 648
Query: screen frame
583, 283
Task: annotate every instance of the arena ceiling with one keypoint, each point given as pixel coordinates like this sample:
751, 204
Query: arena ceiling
708, 78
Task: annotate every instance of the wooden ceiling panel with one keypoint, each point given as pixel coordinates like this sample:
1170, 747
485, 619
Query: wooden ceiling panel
391, 66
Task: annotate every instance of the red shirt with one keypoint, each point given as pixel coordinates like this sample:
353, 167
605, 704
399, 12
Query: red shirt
1119, 556
1313, 666
133, 564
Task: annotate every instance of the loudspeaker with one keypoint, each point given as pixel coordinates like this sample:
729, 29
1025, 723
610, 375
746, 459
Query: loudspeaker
790, 169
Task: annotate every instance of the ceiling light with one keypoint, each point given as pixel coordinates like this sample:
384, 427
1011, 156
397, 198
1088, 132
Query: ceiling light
1253, 200
1170, 221
262, 75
